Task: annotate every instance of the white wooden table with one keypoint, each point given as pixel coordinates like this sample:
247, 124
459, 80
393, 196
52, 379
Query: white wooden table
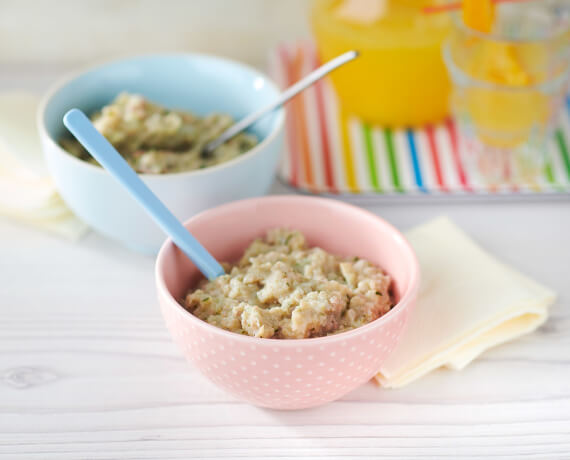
88, 371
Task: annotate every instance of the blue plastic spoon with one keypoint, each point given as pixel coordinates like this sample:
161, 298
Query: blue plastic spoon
102, 150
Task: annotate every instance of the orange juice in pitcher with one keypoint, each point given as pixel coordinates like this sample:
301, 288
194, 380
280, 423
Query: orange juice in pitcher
400, 78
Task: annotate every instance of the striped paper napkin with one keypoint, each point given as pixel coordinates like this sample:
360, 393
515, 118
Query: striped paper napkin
330, 152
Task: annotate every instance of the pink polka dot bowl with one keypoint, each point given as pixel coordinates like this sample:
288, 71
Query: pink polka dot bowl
288, 374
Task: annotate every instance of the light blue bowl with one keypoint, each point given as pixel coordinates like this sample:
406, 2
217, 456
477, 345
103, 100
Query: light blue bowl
199, 83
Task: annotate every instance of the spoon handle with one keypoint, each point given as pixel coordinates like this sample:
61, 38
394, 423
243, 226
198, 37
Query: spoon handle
102, 150
290, 92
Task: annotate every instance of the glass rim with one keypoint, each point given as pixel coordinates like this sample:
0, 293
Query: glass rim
458, 22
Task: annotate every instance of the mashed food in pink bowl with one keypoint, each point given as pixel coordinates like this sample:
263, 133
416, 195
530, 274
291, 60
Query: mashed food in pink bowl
282, 289
297, 372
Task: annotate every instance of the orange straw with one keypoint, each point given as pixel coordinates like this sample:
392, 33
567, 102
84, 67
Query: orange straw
457, 6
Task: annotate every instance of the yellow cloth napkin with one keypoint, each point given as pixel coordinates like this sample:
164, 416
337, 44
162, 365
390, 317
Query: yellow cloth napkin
468, 302
27, 193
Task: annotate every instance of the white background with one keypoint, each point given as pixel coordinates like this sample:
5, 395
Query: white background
82, 30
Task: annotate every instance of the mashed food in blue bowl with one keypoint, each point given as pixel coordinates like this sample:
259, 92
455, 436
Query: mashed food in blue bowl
157, 140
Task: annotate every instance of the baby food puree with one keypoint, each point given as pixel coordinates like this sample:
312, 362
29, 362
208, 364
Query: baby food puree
157, 140
285, 290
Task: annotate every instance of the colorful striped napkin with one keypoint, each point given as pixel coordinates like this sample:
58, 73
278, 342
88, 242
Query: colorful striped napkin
330, 152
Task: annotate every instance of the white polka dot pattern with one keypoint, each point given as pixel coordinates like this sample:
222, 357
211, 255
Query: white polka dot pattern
281, 374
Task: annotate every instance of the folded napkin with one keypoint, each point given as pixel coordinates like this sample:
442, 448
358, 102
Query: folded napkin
26, 191
468, 302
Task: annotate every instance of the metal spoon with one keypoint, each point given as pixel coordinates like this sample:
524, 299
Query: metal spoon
290, 92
